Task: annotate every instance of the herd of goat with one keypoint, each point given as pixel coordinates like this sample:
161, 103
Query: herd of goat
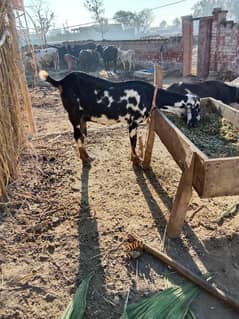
85, 57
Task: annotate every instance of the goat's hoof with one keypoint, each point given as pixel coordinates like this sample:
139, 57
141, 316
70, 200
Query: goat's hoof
86, 162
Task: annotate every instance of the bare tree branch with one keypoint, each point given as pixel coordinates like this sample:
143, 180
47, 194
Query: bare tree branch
41, 17
96, 7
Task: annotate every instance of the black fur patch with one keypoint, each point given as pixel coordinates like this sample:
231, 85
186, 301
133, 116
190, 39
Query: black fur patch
132, 100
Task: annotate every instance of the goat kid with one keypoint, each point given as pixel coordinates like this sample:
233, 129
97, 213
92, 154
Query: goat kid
88, 98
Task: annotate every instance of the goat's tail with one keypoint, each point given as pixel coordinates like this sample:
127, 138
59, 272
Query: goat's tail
44, 76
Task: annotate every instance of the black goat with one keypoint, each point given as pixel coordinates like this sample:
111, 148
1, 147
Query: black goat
89, 60
87, 98
216, 89
109, 55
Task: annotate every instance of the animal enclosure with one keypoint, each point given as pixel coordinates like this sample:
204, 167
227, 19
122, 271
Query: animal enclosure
210, 177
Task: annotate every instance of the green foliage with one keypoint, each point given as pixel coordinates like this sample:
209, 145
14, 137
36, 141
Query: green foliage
124, 17
76, 308
171, 303
163, 24
139, 20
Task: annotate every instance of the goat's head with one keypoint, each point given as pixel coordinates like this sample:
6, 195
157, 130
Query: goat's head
100, 49
187, 106
192, 109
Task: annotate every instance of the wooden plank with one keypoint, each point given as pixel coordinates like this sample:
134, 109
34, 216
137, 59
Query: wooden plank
182, 199
226, 111
199, 174
221, 177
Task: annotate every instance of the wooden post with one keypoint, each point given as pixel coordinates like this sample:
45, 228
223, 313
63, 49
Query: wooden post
158, 82
158, 76
187, 26
181, 201
149, 142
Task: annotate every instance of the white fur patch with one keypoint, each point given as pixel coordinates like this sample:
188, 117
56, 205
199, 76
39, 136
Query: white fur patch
189, 115
79, 143
80, 107
179, 104
43, 75
132, 94
106, 94
133, 132
127, 117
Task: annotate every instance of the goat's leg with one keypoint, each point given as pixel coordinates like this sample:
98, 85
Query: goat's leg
133, 142
130, 63
79, 138
124, 65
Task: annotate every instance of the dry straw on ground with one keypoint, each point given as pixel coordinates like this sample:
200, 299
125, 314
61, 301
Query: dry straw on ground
13, 90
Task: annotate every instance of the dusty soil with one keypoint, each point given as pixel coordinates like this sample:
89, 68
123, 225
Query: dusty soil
62, 221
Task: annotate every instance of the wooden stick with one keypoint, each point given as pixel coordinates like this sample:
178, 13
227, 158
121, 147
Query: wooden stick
149, 143
202, 283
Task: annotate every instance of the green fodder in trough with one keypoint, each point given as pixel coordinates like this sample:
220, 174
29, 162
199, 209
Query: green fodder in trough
214, 135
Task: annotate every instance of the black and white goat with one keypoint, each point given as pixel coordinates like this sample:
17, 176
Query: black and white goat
87, 98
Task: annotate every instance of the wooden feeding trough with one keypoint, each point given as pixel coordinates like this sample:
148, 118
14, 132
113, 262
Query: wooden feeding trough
210, 177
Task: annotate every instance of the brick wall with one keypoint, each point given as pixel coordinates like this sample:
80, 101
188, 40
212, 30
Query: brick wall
168, 52
224, 49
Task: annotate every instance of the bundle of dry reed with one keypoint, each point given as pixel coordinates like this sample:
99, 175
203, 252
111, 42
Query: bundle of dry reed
13, 95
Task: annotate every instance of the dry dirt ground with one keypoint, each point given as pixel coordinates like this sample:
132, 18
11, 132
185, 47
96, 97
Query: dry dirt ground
63, 221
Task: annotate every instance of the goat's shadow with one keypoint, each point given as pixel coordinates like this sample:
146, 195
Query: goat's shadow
90, 255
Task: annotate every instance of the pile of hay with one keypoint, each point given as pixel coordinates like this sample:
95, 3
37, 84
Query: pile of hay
214, 135
12, 91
